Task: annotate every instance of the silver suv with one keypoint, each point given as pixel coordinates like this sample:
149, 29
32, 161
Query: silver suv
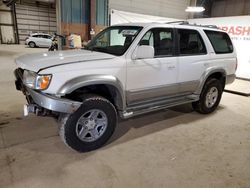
127, 70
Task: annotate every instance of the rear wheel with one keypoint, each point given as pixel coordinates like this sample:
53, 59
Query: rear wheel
32, 44
90, 126
210, 97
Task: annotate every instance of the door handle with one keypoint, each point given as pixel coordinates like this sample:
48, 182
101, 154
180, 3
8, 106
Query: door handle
171, 67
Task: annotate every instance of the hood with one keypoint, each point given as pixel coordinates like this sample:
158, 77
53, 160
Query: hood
38, 61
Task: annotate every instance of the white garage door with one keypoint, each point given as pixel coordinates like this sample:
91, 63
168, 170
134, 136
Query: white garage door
35, 18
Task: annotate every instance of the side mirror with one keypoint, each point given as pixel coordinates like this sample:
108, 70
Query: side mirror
144, 52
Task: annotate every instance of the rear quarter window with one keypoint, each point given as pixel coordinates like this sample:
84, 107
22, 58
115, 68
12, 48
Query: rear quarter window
220, 41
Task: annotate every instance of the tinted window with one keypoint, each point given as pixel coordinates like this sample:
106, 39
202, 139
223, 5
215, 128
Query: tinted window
38, 36
220, 42
46, 36
161, 40
190, 42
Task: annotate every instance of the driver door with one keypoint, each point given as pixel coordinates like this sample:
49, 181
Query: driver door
156, 78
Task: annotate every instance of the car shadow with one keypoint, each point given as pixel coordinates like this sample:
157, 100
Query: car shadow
150, 123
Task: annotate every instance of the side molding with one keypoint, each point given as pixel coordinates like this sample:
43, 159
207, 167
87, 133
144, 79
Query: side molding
88, 80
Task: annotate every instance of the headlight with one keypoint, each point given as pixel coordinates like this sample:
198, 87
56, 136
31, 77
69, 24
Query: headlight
29, 79
35, 81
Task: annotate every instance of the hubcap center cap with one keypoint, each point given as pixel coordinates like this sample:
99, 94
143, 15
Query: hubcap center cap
91, 124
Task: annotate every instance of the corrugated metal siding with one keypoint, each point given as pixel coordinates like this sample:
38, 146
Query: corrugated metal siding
35, 18
75, 11
6, 25
164, 8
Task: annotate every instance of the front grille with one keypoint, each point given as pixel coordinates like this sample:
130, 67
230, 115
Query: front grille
19, 73
19, 77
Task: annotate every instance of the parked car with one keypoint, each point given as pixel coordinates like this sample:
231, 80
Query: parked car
39, 40
126, 70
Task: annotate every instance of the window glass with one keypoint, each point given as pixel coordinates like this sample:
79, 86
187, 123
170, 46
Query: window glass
161, 39
148, 39
101, 12
75, 11
165, 35
37, 36
114, 40
190, 42
220, 42
46, 36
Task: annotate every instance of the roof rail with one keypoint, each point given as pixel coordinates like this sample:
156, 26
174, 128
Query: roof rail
182, 22
211, 26
187, 23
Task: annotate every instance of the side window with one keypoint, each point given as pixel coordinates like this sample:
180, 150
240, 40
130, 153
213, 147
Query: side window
220, 41
190, 42
165, 44
36, 36
161, 39
148, 39
46, 36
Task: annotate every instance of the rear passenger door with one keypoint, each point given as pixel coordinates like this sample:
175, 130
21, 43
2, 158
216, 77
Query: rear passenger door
192, 59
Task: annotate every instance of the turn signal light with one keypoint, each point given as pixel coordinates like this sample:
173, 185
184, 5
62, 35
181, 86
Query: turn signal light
43, 81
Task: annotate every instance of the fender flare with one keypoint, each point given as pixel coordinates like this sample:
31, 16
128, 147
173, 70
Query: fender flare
207, 74
88, 80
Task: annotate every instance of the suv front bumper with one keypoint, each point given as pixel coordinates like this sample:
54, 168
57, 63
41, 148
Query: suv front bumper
53, 103
42, 100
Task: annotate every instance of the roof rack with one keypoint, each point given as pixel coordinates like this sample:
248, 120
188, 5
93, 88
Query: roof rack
211, 26
182, 22
187, 23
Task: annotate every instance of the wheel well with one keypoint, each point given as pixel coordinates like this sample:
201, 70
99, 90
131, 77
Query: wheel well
32, 42
107, 91
219, 76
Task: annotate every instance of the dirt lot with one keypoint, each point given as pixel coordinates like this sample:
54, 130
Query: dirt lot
171, 148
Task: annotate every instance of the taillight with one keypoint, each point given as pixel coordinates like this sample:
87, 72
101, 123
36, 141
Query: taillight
26, 38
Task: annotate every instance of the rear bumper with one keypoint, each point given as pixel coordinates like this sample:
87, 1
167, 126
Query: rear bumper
230, 78
42, 100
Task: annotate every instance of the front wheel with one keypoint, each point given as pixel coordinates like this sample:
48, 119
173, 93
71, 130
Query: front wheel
210, 97
91, 126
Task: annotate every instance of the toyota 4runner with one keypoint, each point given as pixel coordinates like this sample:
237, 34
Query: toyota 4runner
126, 70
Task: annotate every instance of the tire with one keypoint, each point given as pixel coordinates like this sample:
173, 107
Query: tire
210, 97
32, 44
81, 132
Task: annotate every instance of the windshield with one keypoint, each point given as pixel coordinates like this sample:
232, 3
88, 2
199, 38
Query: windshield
114, 40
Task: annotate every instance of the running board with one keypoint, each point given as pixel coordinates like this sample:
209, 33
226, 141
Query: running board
146, 108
